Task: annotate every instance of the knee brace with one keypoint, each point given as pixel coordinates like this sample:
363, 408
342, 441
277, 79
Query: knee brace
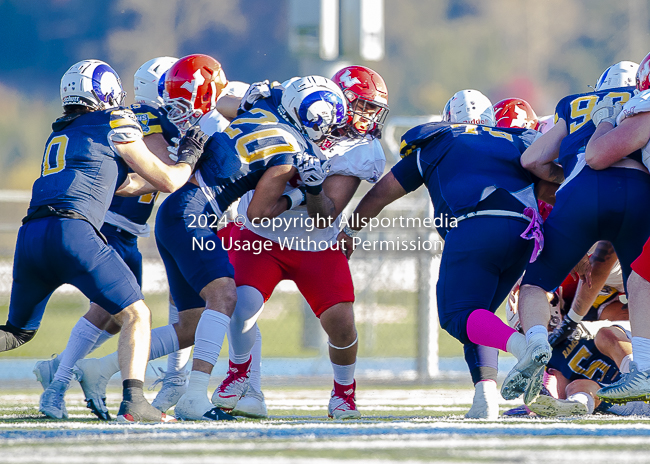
12, 337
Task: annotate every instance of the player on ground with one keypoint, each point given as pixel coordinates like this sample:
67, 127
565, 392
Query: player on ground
472, 172
317, 259
125, 221
579, 366
591, 205
618, 137
85, 161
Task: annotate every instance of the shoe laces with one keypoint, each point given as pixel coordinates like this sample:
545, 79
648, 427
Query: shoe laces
233, 376
346, 396
161, 377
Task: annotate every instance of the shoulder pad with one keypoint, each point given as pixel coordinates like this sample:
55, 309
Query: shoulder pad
420, 135
637, 104
123, 117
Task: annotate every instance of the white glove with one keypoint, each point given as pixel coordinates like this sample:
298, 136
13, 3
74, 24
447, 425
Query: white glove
256, 91
173, 150
606, 110
312, 171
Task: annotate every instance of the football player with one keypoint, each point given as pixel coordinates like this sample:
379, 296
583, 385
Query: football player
256, 151
356, 156
193, 82
125, 221
579, 365
590, 205
621, 134
472, 172
86, 159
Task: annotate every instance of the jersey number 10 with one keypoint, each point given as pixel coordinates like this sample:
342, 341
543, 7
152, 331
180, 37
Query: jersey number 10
54, 158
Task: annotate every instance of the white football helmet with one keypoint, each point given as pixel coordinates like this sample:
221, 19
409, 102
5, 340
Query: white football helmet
469, 107
92, 83
621, 74
315, 105
149, 80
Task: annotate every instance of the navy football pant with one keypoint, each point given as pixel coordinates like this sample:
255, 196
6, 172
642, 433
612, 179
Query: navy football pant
193, 255
126, 245
53, 251
611, 205
482, 260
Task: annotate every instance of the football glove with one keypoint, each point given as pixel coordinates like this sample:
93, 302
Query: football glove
256, 91
606, 111
312, 171
565, 330
191, 146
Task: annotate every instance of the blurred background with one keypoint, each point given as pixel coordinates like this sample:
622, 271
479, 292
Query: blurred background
425, 50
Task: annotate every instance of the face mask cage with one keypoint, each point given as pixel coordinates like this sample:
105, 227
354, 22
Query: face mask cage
181, 113
365, 117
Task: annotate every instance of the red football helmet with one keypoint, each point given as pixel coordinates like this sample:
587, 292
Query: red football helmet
192, 86
515, 112
367, 97
643, 74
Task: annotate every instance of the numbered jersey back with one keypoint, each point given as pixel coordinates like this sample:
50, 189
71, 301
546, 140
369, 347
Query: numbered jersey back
575, 111
461, 161
256, 140
80, 170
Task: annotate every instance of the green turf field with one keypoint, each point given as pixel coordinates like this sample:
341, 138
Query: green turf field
398, 425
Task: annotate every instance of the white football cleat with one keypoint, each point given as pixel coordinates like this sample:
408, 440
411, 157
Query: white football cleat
252, 404
342, 403
486, 401
52, 402
45, 370
233, 386
93, 383
634, 386
528, 374
197, 406
548, 406
173, 387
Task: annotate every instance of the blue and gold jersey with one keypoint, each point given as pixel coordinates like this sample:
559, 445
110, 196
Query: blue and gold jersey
575, 111
458, 162
235, 159
137, 210
80, 170
580, 359
154, 121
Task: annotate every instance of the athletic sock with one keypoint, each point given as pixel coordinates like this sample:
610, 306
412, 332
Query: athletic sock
198, 382
584, 398
344, 375
132, 390
255, 377
625, 364
83, 337
516, 345
163, 341
641, 351
536, 332
210, 332
103, 338
177, 360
